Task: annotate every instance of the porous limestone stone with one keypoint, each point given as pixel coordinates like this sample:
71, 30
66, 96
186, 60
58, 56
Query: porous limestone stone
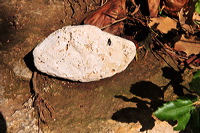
83, 53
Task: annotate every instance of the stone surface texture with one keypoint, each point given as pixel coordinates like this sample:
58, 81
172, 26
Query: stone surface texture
20, 70
83, 53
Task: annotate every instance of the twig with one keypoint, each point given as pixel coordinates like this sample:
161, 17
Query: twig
35, 89
197, 103
136, 9
133, 1
102, 2
132, 19
39, 102
117, 21
126, 17
164, 47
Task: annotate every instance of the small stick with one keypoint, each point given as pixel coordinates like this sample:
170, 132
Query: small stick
136, 9
133, 1
35, 89
102, 2
39, 102
117, 21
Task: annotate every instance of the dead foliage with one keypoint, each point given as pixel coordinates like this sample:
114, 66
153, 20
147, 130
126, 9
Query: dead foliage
117, 17
172, 7
111, 11
153, 32
153, 7
176, 37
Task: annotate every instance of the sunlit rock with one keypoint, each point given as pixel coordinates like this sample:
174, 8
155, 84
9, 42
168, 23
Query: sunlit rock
21, 71
83, 53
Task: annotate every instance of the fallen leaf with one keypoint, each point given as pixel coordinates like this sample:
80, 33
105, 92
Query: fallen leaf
196, 18
153, 7
172, 7
111, 11
185, 22
164, 24
189, 46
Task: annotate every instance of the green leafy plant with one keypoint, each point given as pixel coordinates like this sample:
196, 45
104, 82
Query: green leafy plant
183, 110
195, 83
197, 6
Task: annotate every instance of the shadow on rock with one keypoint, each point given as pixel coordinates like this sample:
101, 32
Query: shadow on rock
7, 28
175, 78
28, 59
3, 127
147, 97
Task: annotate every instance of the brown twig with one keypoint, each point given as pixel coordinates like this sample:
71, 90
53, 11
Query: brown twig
136, 9
126, 17
117, 21
39, 102
35, 89
102, 2
134, 18
165, 49
133, 1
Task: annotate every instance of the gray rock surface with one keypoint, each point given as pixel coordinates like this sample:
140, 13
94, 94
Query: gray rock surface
83, 53
21, 71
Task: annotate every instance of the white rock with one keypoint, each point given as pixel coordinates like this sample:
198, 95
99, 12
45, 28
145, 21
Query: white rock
83, 53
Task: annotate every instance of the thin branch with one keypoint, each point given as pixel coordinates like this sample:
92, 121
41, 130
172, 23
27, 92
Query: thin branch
136, 10
117, 21
39, 102
35, 89
102, 2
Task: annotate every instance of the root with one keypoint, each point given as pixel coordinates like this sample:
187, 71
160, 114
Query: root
40, 103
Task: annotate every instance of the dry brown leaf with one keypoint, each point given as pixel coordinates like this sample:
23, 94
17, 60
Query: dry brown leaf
196, 19
111, 11
164, 24
196, 16
172, 7
153, 7
189, 46
185, 20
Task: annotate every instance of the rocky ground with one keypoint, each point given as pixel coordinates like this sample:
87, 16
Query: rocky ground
123, 103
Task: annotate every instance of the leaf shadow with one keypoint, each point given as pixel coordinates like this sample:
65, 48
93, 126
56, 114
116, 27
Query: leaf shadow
175, 78
147, 96
3, 126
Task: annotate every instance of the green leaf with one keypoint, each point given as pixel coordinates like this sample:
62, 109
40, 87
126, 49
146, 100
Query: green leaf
197, 74
197, 7
195, 83
183, 121
174, 109
178, 110
195, 121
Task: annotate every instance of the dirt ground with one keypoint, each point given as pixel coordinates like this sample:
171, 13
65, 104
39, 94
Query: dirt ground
123, 103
